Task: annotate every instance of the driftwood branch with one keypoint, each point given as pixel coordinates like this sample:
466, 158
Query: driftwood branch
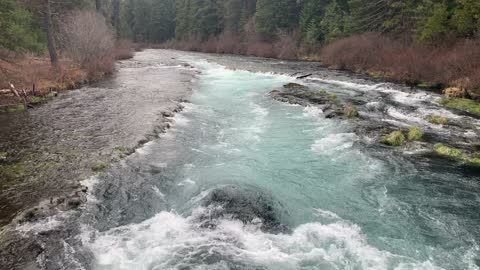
22, 97
304, 76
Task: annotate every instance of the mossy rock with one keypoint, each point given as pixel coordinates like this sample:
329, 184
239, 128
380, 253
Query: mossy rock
13, 109
415, 134
447, 151
438, 120
36, 100
31, 215
52, 94
396, 138
294, 86
3, 155
461, 104
122, 151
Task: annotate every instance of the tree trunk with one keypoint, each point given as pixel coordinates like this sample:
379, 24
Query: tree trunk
98, 5
52, 50
116, 16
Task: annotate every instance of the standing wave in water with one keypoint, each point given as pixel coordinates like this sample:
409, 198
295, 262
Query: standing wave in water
241, 181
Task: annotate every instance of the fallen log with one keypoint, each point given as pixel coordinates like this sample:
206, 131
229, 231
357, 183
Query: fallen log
304, 76
5, 91
22, 98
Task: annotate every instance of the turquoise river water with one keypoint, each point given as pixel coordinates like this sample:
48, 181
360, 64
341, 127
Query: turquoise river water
241, 181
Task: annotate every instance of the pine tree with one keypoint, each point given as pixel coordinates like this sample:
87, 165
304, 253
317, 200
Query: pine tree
333, 22
162, 26
273, 16
17, 31
368, 16
437, 23
310, 19
466, 17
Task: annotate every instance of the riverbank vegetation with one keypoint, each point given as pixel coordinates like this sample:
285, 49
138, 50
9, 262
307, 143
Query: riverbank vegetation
48, 46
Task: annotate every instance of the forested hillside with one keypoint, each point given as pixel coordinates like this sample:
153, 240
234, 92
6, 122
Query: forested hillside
426, 42
313, 22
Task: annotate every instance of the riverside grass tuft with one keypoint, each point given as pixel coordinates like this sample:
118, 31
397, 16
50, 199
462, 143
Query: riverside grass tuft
396, 138
415, 134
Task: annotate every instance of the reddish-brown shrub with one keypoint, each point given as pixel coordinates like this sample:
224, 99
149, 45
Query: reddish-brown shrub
285, 46
261, 49
407, 62
123, 50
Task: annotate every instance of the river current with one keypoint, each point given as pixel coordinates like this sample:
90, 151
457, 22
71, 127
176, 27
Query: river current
241, 181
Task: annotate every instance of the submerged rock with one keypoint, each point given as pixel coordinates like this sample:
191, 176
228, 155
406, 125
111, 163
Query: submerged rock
247, 205
298, 94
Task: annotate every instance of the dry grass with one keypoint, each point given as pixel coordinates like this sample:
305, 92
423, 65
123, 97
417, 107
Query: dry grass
30, 71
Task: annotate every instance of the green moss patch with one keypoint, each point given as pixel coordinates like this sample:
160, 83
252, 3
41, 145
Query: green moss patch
415, 134
473, 161
51, 94
13, 109
462, 104
100, 166
396, 138
447, 151
438, 120
11, 172
36, 100
424, 85
322, 92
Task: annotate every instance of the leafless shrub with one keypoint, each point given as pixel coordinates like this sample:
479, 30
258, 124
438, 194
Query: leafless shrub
87, 39
124, 49
285, 46
453, 63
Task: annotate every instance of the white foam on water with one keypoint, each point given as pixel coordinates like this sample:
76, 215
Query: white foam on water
332, 144
180, 120
260, 112
43, 225
375, 106
170, 241
158, 192
90, 183
408, 117
312, 111
327, 214
350, 85
409, 98
397, 95
187, 181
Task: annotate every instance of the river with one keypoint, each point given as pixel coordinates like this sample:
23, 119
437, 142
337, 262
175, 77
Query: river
241, 181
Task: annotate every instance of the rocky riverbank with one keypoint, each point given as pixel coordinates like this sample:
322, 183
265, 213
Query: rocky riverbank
456, 146
48, 150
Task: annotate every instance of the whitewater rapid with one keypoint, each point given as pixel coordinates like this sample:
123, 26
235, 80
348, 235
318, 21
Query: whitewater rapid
241, 181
